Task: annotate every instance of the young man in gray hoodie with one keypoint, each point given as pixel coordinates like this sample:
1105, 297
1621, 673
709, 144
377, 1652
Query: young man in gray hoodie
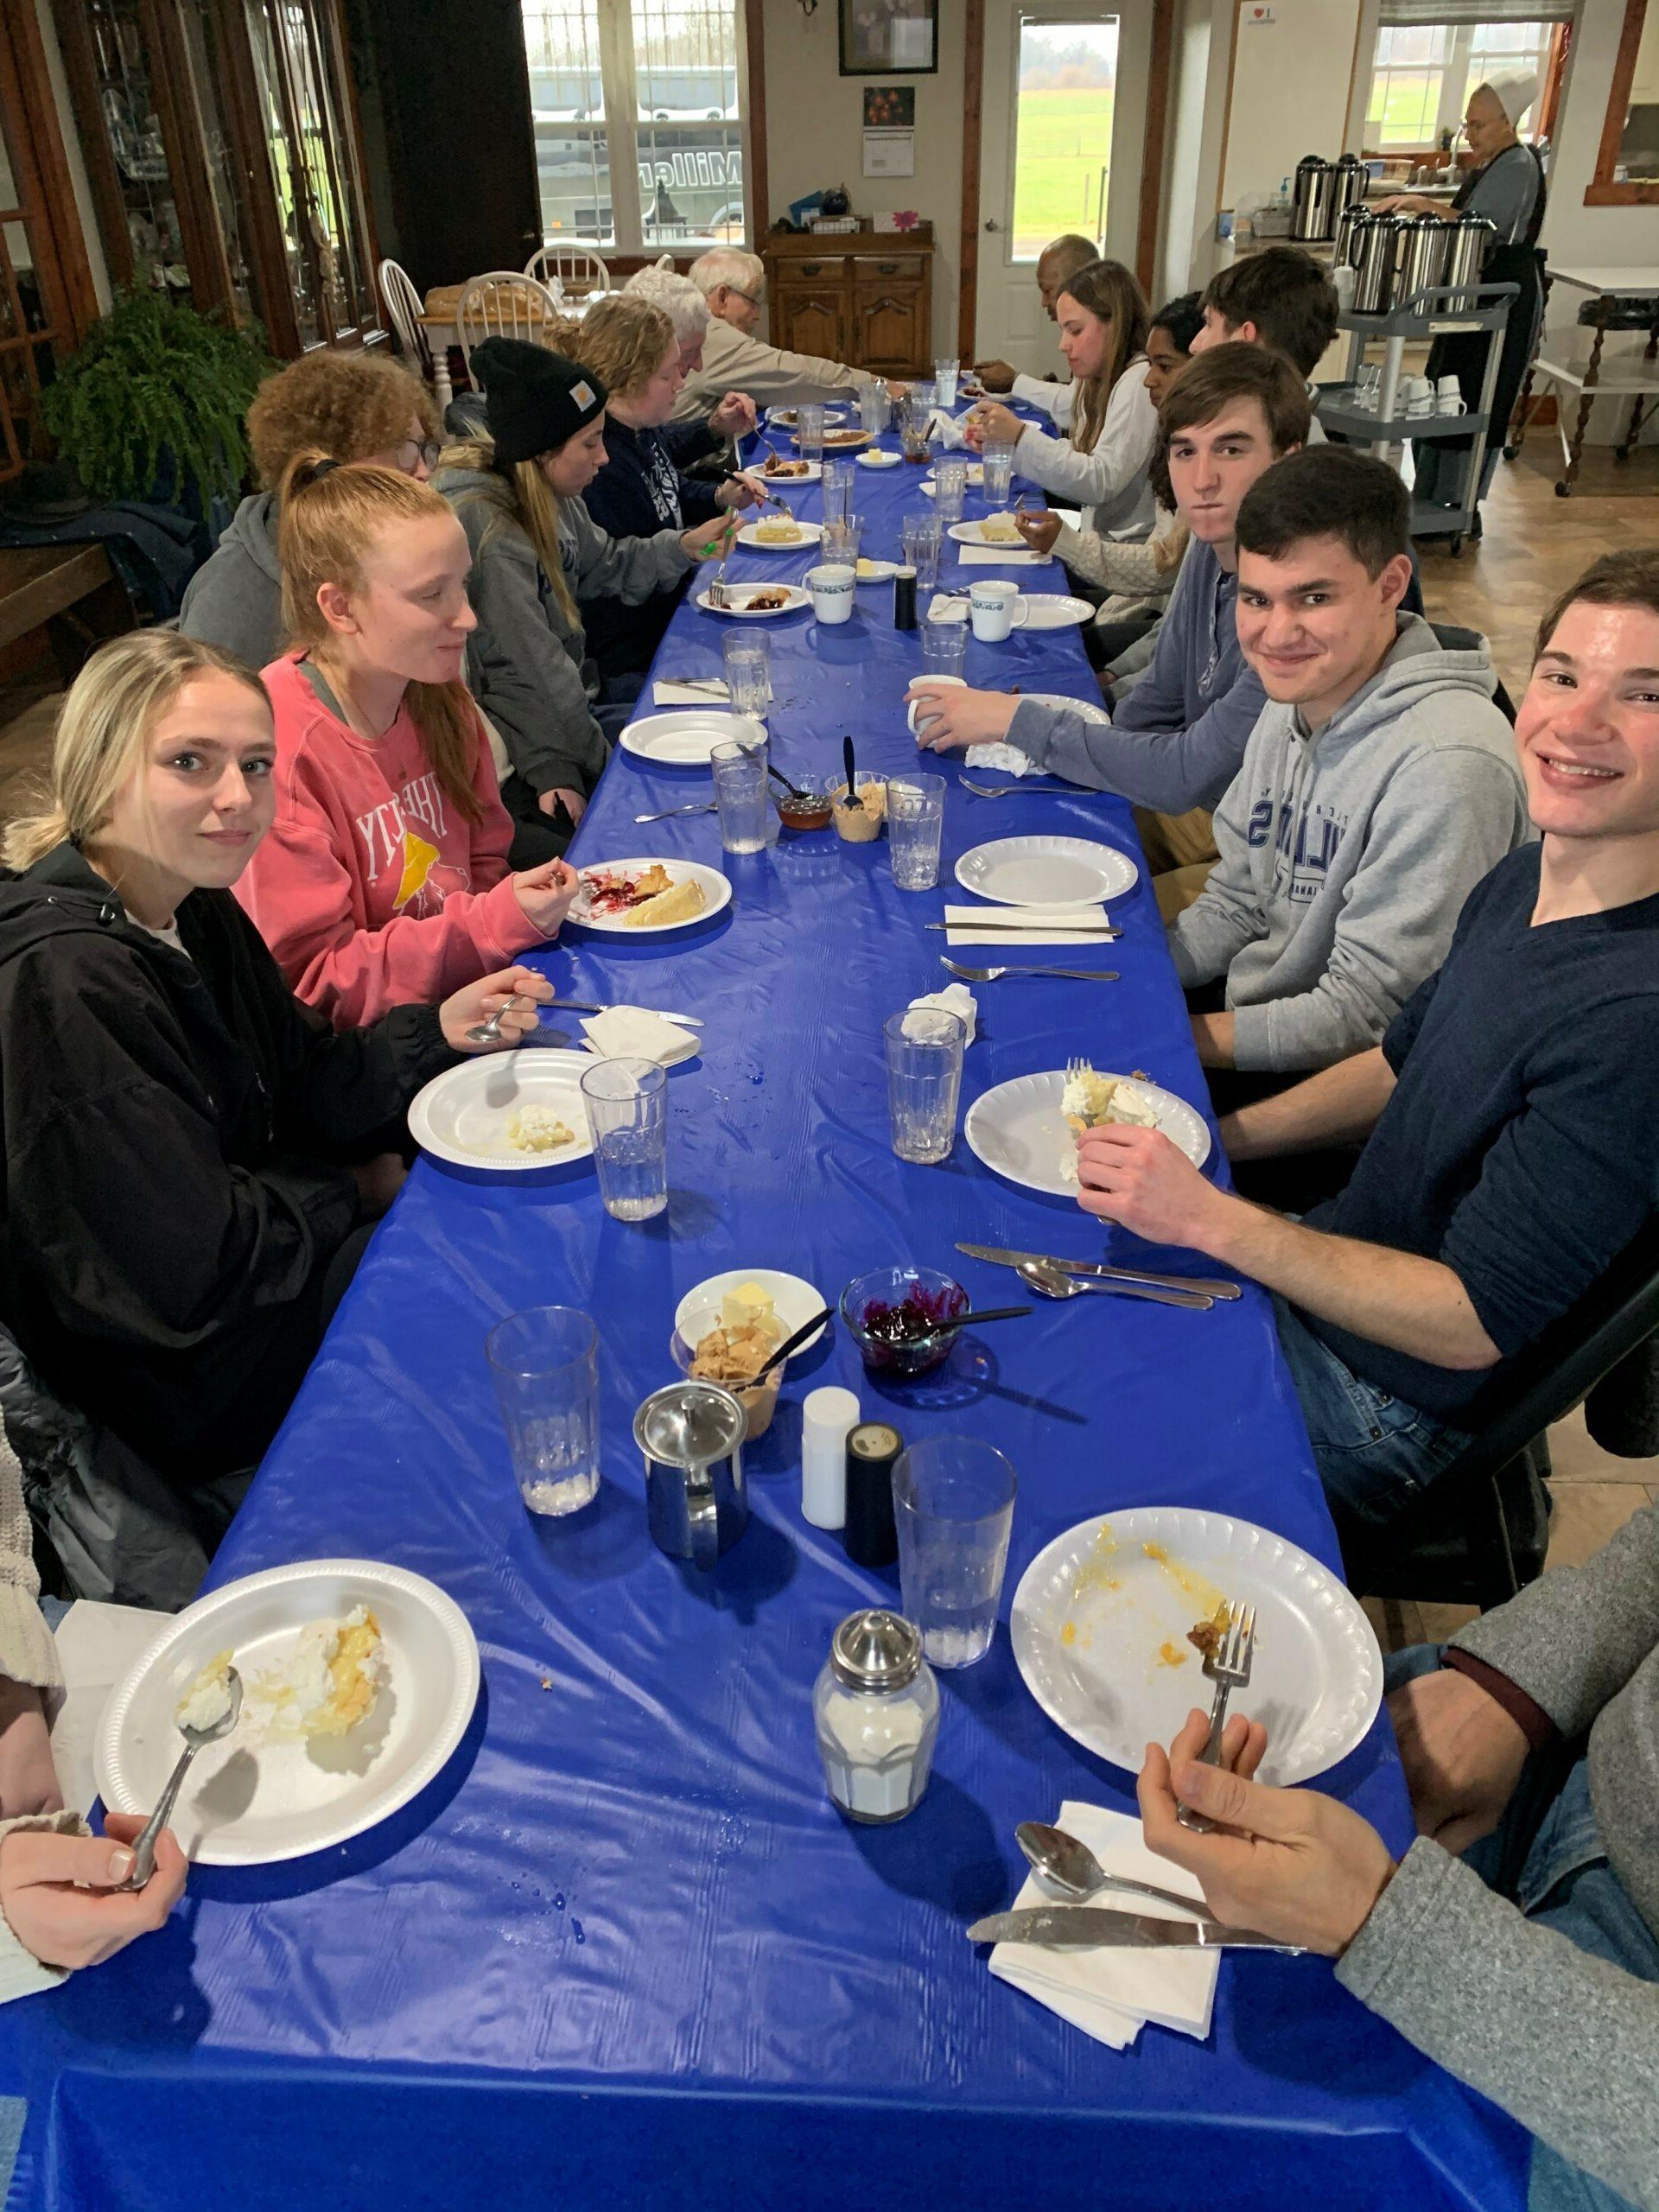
1378, 788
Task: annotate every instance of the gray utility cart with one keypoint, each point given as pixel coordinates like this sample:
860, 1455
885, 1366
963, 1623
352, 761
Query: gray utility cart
1437, 311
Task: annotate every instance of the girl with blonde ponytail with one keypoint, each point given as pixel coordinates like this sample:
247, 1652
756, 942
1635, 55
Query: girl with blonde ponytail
186, 1153
385, 876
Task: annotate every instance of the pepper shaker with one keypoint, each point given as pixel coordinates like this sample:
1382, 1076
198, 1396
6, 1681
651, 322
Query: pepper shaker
870, 1537
904, 598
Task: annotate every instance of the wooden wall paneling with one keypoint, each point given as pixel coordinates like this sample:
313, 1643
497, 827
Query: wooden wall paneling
754, 150
973, 95
1604, 190
72, 272
1152, 159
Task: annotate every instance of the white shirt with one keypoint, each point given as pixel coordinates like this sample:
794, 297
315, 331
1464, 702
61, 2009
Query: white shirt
1109, 479
1054, 399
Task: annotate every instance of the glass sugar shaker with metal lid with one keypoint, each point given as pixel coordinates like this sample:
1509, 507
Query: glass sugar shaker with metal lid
877, 1709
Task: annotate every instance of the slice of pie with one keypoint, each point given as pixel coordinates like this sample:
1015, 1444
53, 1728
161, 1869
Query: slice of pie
679, 904
1089, 1099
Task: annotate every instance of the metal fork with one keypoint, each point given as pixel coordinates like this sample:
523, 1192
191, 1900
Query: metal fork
667, 814
1036, 790
995, 975
1076, 1069
1228, 1669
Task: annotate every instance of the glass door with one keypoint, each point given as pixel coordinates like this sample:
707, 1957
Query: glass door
34, 314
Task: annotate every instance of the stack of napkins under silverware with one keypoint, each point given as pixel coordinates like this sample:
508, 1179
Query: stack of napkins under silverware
1017, 925
1112, 1994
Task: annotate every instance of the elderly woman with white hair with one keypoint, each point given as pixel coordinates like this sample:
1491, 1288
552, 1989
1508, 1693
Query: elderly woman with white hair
731, 281
734, 414
1505, 183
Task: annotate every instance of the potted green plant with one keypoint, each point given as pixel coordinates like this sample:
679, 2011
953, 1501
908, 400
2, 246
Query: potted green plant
151, 406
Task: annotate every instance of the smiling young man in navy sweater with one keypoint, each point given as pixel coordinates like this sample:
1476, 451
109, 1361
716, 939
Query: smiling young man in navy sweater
1512, 1107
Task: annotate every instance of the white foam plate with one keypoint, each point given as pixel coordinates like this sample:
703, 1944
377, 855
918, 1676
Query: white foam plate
814, 470
1316, 1676
1090, 709
246, 1802
788, 416
879, 457
875, 572
810, 532
1055, 610
1045, 871
973, 533
461, 1116
795, 1299
685, 736
739, 611
1019, 1130
975, 474
716, 893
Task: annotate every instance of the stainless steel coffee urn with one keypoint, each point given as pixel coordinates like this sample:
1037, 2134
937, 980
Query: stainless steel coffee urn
1375, 239
1420, 259
1347, 224
1312, 210
1469, 239
1348, 187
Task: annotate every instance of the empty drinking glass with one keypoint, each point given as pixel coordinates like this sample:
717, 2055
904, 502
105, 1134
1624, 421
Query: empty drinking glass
925, 1048
628, 1112
949, 484
999, 474
837, 488
545, 1367
809, 432
918, 534
740, 774
953, 1504
915, 825
944, 645
747, 655
944, 382
875, 408
912, 430
841, 539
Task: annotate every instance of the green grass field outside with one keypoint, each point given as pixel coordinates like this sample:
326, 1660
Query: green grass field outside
1066, 140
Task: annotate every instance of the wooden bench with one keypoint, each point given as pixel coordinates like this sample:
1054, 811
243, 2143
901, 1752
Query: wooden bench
68, 591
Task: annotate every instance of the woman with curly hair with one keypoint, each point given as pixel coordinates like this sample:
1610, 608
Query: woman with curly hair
632, 347
355, 406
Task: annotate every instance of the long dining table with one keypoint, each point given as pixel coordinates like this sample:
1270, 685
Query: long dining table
623, 1952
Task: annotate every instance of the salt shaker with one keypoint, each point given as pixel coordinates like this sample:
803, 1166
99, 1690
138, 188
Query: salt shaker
877, 1709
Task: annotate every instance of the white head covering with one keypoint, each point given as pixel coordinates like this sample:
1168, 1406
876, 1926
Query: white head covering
1514, 95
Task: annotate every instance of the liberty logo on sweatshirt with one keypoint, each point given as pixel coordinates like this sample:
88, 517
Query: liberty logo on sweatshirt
391, 843
1306, 839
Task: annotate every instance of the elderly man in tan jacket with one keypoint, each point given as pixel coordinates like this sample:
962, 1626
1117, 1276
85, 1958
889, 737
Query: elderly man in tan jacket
734, 360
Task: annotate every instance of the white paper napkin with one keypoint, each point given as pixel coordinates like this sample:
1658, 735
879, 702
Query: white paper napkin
97, 1644
1009, 758
947, 429
1002, 556
955, 998
1035, 926
635, 1033
1110, 1994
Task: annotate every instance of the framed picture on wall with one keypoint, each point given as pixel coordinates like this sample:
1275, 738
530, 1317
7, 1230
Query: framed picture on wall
889, 38
889, 107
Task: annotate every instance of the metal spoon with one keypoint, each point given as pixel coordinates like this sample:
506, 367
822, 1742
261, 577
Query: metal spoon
488, 1033
1054, 1282
1070, 1870
144, 1848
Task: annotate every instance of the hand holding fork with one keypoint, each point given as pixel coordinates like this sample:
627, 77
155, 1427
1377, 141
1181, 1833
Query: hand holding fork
1228, 1666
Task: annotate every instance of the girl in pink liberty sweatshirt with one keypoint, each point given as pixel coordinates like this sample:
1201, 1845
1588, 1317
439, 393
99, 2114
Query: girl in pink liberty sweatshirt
384, 878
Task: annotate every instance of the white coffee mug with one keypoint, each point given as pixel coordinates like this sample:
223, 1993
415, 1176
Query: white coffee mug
995, 609
1449, 388
1451, 403
917, 706
833, 590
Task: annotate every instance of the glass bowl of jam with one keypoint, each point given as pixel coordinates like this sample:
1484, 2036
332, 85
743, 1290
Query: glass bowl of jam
811, 810
893, 1316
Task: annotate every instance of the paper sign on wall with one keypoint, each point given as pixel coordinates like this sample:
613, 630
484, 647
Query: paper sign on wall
889, 153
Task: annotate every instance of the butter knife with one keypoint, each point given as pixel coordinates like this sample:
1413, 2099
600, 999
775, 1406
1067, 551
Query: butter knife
1100, 1271
1091, 1927
1040, 932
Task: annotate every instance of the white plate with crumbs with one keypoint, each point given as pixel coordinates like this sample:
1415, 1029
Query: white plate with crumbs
1045, 871
684, 737
266, 1792
760, 539
663, 877
1090, 709
1019, 1130
973, 533
1099, 1626
505, 1110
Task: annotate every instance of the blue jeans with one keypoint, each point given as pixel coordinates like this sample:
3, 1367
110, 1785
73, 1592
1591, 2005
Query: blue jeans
1374, 1453
1564, 1883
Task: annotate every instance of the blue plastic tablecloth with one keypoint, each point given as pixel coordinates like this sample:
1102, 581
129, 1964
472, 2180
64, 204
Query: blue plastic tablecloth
624, 1952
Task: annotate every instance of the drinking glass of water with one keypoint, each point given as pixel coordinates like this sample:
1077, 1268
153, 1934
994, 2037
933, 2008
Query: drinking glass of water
944, 645
809, 432
950, 486
953, 1504
925, 1048
875, 408
915, 826
628, 1112
841, 539
544, 1366
999, 474
740, 774
918, 534
944, 382
837, 488
746, 657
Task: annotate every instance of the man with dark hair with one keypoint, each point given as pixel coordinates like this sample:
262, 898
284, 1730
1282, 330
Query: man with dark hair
1058, 263
1378, 788
1177, 739
1512, 1107
1279, 297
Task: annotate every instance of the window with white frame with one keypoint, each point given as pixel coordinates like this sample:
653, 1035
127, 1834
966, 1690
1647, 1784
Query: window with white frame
1424, 72
638, 109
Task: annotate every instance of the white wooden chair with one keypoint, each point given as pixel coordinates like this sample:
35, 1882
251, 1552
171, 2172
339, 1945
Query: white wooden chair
570, 270
404, 307
502, 303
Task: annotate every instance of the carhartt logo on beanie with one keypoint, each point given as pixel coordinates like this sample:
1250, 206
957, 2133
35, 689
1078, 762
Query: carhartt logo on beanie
533, 400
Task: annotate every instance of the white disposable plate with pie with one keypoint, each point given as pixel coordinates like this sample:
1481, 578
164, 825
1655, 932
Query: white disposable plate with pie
686, 737
1090, 709
1019, 1130
807, 534
738, 596
465, 1115
842, 441
1045, 871
795, 1299
1099, 1626
716, 894
879, 457
973, 533
1055, 610
256, 1796
810, 472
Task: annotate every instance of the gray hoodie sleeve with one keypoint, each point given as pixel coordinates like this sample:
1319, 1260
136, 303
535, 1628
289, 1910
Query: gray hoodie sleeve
1445, 820
628, 569
526, 681
1227, 914
1169, 769
1561, 2041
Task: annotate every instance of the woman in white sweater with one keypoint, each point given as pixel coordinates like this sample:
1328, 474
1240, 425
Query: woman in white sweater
1102, 463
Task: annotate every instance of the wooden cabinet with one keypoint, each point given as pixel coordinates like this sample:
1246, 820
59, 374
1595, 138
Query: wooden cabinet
865, 298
